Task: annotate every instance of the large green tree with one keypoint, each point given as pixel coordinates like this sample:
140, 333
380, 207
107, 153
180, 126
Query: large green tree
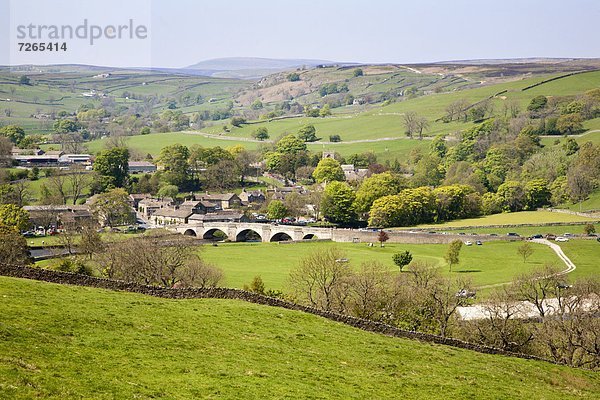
409, 207
375, 187
14, 133
328, 170
175, 161
337, 203
276, 210
307, 133
14, 217
113, 167
112, 208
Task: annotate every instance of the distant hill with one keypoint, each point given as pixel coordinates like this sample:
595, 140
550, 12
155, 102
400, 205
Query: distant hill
252, 67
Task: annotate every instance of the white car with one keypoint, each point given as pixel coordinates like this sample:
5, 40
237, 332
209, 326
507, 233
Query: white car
468, 243
561, 239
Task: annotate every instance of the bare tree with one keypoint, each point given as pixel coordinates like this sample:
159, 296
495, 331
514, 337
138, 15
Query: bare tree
58, 184
369, 291
410, 123
502, 326
79, 180
535, 287
197, 273
319, 278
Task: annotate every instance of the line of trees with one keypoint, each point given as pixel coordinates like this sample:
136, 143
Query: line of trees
566, 327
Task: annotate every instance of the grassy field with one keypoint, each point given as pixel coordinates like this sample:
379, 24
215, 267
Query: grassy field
531, 230
386, 121
515, 218
494, 262
154, 142
592, 203
71, 342
585, 254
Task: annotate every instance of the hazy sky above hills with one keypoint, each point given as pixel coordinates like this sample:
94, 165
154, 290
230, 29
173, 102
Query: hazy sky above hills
183, 32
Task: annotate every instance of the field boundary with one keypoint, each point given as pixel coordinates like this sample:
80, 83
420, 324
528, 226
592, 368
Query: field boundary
67, 278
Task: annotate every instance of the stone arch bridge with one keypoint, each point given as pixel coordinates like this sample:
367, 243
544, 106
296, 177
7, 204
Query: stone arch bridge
241, 232
265, 232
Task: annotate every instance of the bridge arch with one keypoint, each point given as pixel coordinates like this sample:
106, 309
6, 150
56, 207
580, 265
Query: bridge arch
280, 237
189, 232
310, 236
248, 235
214, 234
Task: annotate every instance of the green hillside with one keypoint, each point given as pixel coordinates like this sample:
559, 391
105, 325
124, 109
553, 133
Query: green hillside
70, 342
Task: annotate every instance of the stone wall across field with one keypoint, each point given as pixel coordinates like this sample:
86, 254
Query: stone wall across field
412, 237
237, 294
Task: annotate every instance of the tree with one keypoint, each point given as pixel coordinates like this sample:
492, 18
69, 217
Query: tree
91, 242
375, 187
175, 161
589, 229
569, 124
328, 170
402, 259
320, 279
197, 273
357, 72
256, 104
276, 210
337, 203
238, 121
261, 133
290, 144
256, 286
5, 152
113, 167
453, 253
324, 112
14, 133
382, 237
293, 77
62, 126
409, 207
537, 286
24, 80
525, 250
410, 123
537, 194
421, 124
112, 208
583, 175
537, 103
223, 175
168, 191
13, 247
335, 138
307, 133
14, 217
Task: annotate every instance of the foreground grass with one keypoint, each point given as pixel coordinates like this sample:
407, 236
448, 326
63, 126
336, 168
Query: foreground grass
71, 342
494, 262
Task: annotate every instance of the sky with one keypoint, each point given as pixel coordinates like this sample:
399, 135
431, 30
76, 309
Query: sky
183, 32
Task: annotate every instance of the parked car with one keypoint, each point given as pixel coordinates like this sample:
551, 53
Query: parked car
29, 234
537, 236
513, 234
478, 243
562, 239
568, 235
493, 234
551, 236
468, 243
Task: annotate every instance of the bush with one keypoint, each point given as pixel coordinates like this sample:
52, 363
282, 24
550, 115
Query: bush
335, 138
238, 121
